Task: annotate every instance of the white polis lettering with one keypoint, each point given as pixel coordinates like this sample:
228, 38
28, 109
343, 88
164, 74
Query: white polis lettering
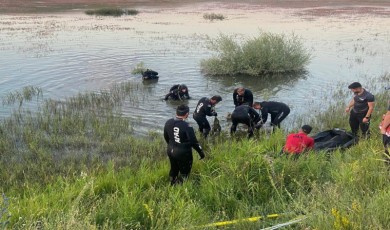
199, 107
176, 134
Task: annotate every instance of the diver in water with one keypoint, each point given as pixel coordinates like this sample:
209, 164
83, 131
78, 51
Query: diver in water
205, 108
149, 75
178, 92
242, 96
278, 111
180, 137
246, 115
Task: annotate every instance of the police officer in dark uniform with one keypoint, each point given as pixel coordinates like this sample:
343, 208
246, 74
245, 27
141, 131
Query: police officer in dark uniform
246, 115
278, 111
205, 108
178, 92
242, 96
180, 138
360, 108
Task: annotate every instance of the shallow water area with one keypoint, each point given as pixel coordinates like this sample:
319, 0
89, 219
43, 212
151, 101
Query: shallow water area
68, 53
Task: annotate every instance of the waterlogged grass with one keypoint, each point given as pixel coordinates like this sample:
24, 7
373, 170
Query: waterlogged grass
213, 16
264, 54
104, 178
116, 12
139, 68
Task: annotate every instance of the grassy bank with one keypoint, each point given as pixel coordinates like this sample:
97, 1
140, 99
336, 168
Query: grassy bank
261, 55
75, 165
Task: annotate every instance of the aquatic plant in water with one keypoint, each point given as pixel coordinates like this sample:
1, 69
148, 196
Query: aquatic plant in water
213, 16
112, 11
264, 54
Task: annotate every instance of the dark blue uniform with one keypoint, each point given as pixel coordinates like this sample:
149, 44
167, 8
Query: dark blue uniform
359, 111
203, 109
246, 99
278, 111
175, 93
245, 115
180, 138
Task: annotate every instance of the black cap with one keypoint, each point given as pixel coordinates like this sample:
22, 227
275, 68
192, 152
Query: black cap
182, 86
182, 110
306, 128
355, 85
216, 98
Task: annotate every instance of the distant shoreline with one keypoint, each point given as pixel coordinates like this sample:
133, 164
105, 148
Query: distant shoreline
57, 6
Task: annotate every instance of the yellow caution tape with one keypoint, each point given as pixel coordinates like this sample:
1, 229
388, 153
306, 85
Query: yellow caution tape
251, 219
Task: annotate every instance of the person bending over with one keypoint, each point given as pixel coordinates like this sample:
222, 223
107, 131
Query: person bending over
205, 108
246, 115
242, 96
178, 93
297, 143
385, 131
278, 110
180, 137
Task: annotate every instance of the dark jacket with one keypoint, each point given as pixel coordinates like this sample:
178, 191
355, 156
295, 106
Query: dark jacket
272, 107
180, 137
175, 93
243, 111
247, 98
204, 108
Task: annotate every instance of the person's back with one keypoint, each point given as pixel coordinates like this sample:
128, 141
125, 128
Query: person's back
296, 143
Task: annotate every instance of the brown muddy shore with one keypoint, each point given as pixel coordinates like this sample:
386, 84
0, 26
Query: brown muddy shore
52, 6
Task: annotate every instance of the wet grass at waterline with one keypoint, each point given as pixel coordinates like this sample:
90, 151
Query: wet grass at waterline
213, 16
264, 54
112, 11
114, 181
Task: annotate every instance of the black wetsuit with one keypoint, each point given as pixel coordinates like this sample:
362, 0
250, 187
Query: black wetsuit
278, 111
359, 111
246, 99
245, 115
175, 93
149, 75
180, 138
203, 109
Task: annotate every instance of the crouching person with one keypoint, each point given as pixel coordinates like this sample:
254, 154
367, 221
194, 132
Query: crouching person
180, 138
297, 143
385, 131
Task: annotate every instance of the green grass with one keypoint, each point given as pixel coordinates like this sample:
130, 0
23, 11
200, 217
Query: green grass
74, 164
112, 11
213, 16
265, 54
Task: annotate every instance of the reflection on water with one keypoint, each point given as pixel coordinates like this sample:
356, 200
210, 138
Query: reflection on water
69, 53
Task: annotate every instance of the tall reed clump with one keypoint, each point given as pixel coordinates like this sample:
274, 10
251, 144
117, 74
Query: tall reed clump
265, 54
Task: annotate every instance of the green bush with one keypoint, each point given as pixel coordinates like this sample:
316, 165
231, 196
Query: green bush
267, 53
116, 12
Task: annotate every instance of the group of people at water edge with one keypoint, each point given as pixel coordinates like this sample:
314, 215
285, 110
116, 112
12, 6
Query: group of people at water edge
181, 138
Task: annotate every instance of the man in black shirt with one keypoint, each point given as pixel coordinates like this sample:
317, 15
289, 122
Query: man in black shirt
360, 109
242, 96
246, 115
278, 111
178, 92
180, 138
205, 108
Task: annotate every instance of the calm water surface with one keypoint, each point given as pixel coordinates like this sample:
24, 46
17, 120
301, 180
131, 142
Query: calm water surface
65, 54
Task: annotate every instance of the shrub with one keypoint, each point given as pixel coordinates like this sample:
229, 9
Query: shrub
116, 12
265, 54
213, 16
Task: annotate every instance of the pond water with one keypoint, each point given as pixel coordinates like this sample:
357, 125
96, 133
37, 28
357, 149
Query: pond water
68, 53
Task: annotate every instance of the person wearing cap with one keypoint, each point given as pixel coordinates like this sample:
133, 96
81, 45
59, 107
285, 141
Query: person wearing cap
385, 131
297, 143
360, 109
180, 137
246, 115
278, 110
178, 92
242, 96
205, 108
